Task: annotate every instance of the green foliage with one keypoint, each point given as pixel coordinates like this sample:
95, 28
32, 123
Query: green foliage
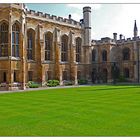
29, 83
82, 82
52, 83
32, 84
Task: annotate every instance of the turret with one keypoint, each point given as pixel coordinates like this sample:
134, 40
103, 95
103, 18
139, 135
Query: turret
135, 30
87, 25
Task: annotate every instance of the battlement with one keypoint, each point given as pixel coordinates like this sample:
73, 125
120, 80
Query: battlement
107, 40
53, 18
128, 40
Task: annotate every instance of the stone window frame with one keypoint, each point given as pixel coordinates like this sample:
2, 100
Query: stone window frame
78, 49
30, 44
48, 46
15, 39
126, 53
104, 55
4, 30
94, 53
64, 48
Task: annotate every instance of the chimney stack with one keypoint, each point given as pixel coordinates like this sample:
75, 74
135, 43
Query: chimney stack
69, 16
115, 36
121, 36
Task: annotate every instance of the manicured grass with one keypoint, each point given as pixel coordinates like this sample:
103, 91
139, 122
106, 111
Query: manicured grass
83, 111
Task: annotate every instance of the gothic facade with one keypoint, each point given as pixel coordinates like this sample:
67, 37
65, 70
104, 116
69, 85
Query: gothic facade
37, 47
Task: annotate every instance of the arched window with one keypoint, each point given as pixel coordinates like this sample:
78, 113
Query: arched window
104, 55
64, 48
126, 72
3, 39
48, 46
15, 40
31, 44
126, 54
93, 55
78, 49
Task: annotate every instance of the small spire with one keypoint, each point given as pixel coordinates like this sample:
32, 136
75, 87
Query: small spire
135, 26
135, 29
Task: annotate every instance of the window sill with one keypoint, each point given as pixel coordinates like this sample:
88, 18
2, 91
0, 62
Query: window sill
15, 58
4, 58
65, 62
46, 62
77, 63
31, 61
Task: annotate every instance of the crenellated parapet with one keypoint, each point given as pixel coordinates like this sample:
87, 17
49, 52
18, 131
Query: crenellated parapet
128, 40
53, 18
108, 40
103, 41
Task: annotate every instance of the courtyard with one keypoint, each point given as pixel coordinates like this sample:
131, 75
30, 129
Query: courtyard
80, 111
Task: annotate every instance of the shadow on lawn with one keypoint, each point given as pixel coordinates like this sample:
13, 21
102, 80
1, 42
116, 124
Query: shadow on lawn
114, 88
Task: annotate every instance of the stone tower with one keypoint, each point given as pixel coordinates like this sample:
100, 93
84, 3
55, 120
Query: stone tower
87, 41
87, 25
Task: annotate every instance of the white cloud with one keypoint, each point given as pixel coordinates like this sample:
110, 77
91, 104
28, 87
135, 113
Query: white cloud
123, 23
80, 6
76, 16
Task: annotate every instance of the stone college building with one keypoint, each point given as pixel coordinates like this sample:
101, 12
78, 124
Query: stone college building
36, 46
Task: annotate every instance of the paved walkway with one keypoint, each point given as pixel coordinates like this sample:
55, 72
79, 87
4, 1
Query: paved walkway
44, 88
59, 87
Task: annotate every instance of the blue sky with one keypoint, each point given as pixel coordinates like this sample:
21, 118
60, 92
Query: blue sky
105, 18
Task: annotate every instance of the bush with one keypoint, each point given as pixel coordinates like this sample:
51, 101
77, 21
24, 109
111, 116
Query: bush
29, 83
82, 82
52, 83
32, 84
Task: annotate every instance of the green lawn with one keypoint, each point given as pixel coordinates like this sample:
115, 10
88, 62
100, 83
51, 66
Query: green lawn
83, 111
